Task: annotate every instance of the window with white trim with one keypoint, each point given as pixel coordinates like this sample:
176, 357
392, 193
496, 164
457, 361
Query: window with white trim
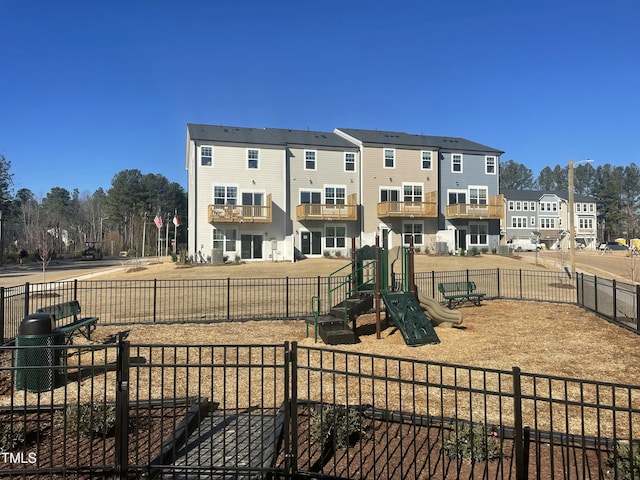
310, 196
412, 192
206, 156
456, 196
511, 205
334, 195
252, 198
426, 160
532, 206
456, 162
533, 221
335, 236
478, 196
548, 223
389, 158
389, 194
585, 223
253, 158
309, 159
349, 162
518, 222
224, 239
225, 195
490, 165
478, 233
414, 230
518, 206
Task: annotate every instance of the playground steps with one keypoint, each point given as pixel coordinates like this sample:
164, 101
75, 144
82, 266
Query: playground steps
354, 306
332, 330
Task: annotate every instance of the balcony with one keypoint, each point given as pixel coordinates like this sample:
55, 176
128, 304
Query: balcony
330, 212
241, 213
426, 209
494, 210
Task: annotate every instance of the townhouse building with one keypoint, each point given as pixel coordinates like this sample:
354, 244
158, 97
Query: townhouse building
278, 194
532, 214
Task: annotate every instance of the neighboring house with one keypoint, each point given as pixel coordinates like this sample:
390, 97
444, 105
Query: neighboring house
411, 188
260, 194
532, 213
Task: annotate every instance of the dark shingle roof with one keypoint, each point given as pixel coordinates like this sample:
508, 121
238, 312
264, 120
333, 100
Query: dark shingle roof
382, 137
266, 136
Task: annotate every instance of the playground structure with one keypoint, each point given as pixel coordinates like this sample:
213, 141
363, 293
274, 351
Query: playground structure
372, 283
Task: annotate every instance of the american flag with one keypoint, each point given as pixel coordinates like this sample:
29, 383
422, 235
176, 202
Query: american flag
158, 221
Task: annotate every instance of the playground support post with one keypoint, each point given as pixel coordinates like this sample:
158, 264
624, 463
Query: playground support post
377, 299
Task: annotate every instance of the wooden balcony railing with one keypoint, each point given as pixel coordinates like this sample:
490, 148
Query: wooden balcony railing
494, 210
241, 213
426, 209
324, 211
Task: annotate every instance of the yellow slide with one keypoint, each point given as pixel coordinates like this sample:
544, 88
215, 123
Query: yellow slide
441, 316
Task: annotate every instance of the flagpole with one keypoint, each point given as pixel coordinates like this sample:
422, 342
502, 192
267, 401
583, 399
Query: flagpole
175, 232
166, 239
144, 232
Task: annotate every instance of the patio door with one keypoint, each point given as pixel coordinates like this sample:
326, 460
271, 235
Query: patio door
251, 247
311, 242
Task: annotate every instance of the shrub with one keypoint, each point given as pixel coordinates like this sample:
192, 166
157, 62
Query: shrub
624, 461
11, 435
471, 443
472, 252
87, 419
484, 250
326, 254
416, 249
335, 425
338, 253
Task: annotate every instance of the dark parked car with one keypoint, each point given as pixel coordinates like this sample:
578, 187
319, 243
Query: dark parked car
611, 246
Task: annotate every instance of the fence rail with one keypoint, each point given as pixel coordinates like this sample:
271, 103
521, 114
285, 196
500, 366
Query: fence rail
126, 302
128, 410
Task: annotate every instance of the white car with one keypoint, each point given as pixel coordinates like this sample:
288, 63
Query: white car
523, 245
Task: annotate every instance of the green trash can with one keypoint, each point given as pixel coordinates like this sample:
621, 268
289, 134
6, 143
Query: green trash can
37, 340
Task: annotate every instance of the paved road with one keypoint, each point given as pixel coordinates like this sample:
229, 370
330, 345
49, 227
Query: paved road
615, 265
12, 275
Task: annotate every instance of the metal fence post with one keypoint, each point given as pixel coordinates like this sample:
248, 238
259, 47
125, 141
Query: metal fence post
122, 408
498, 281
155, 299
614, 298
287, 296
26, 300
637, 308
291, 417
228, 298
2, 314
518, 437
75, 289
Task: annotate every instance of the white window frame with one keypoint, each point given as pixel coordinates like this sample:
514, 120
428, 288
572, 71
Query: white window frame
457, 191
481, 188
419, 235
518, 205
519, 222
512, 205
221, 236
483, 233
533, 221
202, 156
532, 206
398, 190
315, 160
226, 194
413, 195
310, 191
257, 159
335, 197
348, 162
454, 163
423, 160
487, 164
337, 238
253, 193
393, 158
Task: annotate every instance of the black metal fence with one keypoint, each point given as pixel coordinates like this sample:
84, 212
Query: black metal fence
288, 411
126, 302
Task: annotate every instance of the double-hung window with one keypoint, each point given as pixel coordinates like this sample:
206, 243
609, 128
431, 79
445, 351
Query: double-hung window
490, 165
389, 158
412, 193
334, 195
225, 195
335, 237
426, 160
478, 196
253, 158
349, 162
414, 230
309, 160
206, 156
456, 162
478, 233
389, 195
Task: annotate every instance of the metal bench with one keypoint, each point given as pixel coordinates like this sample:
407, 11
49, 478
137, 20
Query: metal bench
459, 292
70, 309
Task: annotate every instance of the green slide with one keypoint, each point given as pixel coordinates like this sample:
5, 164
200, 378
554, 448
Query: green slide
405, 313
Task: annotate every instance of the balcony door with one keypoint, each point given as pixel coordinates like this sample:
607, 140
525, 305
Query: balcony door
311, 242
252, 204
250, 247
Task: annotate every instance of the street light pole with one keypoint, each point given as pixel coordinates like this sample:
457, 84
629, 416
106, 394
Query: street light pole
572, 233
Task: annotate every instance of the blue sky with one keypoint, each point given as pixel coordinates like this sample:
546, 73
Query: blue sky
88, 89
